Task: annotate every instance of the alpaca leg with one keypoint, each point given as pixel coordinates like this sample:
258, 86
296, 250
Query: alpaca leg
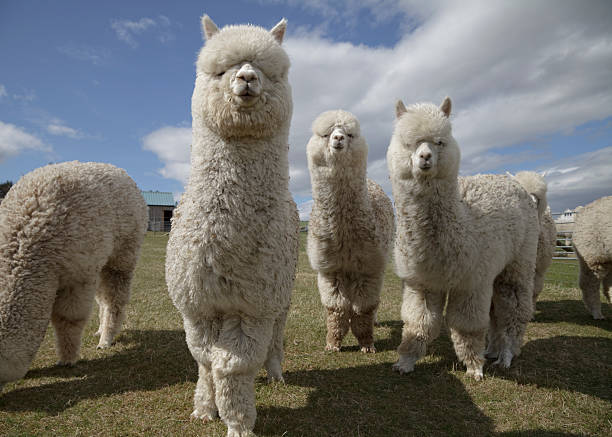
362, 325
23, 326
237, 356
467, 315
607, 284
101, 316
112, 297
201, 335
337, 327
71, 310
274, 360
422, 316
538, 286
589, 284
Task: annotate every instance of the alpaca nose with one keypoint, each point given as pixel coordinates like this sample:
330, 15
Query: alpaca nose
425, 155
247, 73
338, 137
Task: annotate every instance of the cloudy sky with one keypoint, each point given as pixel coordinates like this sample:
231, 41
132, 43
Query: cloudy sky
531, 82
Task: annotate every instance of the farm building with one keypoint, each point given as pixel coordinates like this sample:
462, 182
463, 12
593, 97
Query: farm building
161, 206
565, 221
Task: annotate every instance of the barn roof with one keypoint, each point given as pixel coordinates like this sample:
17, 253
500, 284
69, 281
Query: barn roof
158, 198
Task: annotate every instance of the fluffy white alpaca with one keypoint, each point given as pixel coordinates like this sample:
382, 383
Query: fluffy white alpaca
233, 247
67, 231
350, 230
536, 186
472, 239
592, 240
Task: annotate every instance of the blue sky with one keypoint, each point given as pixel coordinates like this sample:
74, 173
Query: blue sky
111, 81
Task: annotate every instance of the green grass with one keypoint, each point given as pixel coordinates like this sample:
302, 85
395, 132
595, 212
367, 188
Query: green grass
561, 384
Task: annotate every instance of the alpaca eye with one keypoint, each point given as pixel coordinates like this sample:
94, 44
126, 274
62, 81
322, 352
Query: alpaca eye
221, 74
440, 143
350, 135
326, 136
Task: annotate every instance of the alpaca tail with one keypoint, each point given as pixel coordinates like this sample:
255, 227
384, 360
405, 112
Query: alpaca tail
536, 186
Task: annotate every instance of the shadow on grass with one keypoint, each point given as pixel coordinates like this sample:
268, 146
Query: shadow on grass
571, 311
150, 360
578, 364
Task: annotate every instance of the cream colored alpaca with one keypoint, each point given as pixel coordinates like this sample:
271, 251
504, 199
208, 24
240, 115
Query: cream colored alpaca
68, 232
470, 240
592, 240
350, 230
233, 247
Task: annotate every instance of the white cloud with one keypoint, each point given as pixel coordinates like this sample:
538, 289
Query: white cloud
579, 180
128, 30
14, 140
57, 127
83, 52
3, 92
172, 147
516, 71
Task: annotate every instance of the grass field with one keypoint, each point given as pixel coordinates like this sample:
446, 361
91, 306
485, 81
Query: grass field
561, 385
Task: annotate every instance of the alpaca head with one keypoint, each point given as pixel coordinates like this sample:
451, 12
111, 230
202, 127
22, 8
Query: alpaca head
241, 86
422, 146
336, 141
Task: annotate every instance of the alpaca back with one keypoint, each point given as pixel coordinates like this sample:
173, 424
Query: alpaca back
592, 236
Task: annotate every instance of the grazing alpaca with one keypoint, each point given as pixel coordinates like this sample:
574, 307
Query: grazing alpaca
473, 240
68, 232
592, 240
350, 230
233, 247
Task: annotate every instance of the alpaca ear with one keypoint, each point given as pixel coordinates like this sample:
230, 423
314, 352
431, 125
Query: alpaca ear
209, 28
278, 31
400, 108
446, 106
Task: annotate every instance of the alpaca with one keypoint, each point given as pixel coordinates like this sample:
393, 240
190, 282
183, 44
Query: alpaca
233, 247
350, 230
592, 240
470, 240
536, 187
67, 232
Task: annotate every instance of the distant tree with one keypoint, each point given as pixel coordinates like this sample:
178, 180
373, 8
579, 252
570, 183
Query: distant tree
4, 187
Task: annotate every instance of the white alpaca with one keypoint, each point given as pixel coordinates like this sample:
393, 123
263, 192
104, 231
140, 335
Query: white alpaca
472, 239
350, 230
68, 232
536, 186
592, 240
233, 247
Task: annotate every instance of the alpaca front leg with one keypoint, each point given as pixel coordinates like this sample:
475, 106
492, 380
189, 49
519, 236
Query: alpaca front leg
337, 327
204, 406
201, 333
467, 315
236, 357
274, 360
422, 316
589, 284
362, 325
69, 316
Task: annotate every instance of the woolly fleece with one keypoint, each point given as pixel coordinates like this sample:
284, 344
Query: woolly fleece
592, 240
68, 232
233, 247
473, 239
350, 231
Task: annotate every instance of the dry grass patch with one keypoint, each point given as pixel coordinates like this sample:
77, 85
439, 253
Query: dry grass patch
560, 386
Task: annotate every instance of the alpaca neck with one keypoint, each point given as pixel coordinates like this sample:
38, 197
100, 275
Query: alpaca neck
344, 192
433, 212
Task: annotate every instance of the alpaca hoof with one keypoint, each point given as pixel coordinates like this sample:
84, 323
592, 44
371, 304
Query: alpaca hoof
404, 365
475, 373
67, 363
332, 348
204, 417
276, 378
504, 360
104, 344
368, 349
235, 432
598, 316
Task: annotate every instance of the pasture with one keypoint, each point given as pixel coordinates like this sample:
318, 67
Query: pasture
561, 385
